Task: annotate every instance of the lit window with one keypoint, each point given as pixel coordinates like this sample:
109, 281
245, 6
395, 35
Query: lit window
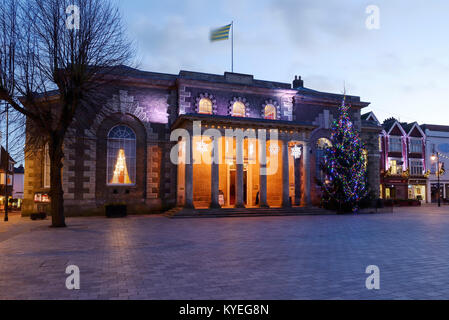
395, 144
380, 143
365, 157
121, 166
396, 166
238, 109
205, 106
270, 112
322, 144
46, 166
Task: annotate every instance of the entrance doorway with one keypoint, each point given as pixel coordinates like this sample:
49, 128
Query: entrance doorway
233, 186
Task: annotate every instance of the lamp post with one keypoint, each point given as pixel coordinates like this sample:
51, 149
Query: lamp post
7, 164
434, 157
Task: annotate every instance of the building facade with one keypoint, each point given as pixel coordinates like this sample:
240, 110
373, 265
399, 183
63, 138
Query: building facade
18, 184
6, 176
403, 163
151, 144
437, 139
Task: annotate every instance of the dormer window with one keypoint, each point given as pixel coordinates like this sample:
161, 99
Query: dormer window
238, 109
270, 112
395, 144
205, 106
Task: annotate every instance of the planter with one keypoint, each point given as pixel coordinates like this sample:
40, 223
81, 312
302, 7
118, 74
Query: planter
38, 216
116, 210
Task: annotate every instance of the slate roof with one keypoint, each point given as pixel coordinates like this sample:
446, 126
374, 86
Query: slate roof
435, 127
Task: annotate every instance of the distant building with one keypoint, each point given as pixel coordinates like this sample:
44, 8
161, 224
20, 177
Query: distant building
6, 172
437, 138
403, 165
18, 183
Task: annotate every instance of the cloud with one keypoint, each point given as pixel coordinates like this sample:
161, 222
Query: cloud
312, 23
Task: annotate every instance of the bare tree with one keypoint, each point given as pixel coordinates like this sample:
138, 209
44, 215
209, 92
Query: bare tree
54, 55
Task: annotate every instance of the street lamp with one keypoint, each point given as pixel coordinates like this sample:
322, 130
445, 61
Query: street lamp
437, 157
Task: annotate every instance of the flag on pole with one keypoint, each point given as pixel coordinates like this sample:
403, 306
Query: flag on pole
220, 33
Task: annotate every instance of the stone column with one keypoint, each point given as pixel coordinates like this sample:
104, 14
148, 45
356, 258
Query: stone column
263, 175
239, 163
215, 174
189, 174
373, 173
298, 181
306, 196
285, 175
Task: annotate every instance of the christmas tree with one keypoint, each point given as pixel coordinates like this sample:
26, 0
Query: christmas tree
344, 165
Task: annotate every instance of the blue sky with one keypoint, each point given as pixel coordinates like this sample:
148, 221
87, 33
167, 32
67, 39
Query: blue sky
402, 68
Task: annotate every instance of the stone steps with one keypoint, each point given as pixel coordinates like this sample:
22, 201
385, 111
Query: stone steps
180, 213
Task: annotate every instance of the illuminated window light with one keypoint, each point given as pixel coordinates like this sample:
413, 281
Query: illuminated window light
121, 171
296, 152
201, 146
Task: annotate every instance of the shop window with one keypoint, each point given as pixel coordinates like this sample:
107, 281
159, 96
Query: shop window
205, 106
121, 156
270, 112
390, 193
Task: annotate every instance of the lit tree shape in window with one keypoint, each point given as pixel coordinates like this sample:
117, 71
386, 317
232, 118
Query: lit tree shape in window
120, 171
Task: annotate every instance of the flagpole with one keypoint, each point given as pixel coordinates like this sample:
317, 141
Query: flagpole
232, 47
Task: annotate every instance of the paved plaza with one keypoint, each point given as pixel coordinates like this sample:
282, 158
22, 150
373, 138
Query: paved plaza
302, 257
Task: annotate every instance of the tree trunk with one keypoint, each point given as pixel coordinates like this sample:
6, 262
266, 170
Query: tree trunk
56, 191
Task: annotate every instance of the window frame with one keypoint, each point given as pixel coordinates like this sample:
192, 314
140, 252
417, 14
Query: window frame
391, 144
274, 111
134, 163
398, 166
415, 142
319, 155
411, 167
211, 106
233, 109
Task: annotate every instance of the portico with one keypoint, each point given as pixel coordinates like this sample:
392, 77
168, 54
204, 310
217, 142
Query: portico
235, 162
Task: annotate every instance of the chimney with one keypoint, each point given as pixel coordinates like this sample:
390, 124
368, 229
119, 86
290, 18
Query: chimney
298, 83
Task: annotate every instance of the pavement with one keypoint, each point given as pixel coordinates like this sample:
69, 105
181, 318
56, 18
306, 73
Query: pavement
297, 257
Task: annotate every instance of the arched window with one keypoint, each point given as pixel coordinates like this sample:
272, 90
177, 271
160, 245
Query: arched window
205, 106
238, 109
270, 112
321, 145
121, 165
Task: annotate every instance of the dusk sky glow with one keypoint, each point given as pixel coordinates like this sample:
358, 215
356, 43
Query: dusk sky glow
402, 68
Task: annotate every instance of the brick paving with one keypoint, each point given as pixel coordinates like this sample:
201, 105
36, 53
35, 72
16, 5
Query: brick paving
301, 257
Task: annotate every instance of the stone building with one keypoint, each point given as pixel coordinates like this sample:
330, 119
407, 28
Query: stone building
136, 147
